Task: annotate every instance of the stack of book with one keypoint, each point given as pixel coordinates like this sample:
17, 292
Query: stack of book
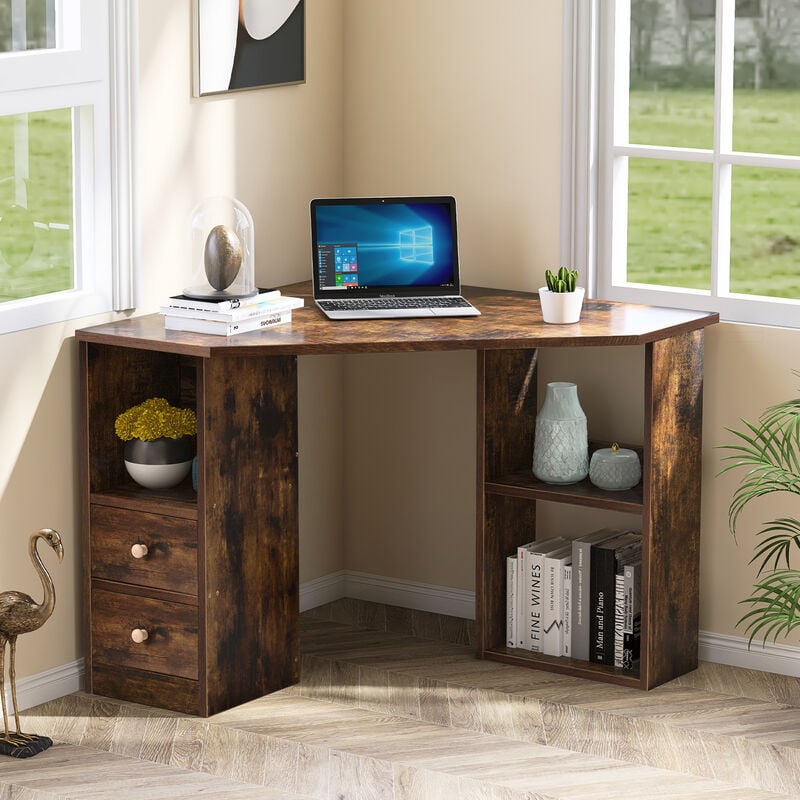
228, 317
578, 598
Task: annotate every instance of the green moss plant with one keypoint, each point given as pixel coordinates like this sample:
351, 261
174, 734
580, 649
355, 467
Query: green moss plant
155, 419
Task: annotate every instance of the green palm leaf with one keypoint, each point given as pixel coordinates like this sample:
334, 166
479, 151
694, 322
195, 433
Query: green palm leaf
775, 605
786, 531
768, 453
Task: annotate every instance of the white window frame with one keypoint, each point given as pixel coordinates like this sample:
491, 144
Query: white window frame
92, 72
594, 167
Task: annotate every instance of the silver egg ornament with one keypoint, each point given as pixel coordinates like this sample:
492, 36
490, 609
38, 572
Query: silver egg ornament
222, 257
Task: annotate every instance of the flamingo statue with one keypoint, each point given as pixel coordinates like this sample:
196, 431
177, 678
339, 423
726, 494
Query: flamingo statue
19, 613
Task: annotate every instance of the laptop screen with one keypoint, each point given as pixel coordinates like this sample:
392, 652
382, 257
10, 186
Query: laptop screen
400, 245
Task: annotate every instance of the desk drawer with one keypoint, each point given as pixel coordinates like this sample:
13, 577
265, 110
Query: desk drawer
171, 646
171, 559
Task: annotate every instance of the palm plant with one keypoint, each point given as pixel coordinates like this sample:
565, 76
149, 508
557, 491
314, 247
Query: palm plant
769, 452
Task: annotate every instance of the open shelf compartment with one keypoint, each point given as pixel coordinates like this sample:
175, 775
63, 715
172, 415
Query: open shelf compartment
667, 501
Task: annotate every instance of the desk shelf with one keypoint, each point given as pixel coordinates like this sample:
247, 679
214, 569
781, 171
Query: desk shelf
667, 501
584, 493
564, 666
179, 501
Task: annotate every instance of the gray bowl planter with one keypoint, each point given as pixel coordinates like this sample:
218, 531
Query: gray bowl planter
159, 463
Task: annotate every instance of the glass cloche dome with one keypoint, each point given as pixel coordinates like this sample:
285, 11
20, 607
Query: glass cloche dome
222, 250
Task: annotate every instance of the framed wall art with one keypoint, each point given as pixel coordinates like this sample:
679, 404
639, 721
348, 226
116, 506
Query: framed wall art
247, 44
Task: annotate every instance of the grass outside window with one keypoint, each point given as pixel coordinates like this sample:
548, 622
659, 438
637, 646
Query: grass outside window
670, 202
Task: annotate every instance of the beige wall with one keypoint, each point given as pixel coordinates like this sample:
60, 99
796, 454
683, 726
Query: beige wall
38, 483
417, 96
446, 97
462, 98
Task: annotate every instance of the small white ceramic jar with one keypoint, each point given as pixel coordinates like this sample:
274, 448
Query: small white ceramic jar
615, 468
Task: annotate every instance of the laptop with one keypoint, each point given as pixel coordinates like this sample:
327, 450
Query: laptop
386, 257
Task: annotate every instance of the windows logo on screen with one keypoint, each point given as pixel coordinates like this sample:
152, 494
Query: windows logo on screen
416, 245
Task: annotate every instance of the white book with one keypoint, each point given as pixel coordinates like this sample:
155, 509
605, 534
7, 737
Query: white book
215, 305
531, 573
567, 650
222, 328
270, 305
553, 601
511, 600
522, 572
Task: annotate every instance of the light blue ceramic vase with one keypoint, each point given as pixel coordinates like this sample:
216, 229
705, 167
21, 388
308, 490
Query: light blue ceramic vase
561, 446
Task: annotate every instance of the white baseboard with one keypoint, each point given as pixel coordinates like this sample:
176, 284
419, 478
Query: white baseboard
389, 591
410, 594
49, 685
733, 650
322, 590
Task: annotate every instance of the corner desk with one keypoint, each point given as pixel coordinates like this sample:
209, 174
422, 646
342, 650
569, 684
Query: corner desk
218, 589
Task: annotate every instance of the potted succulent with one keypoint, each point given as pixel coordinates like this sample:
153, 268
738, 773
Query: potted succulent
769, 454
562, 298
159, 444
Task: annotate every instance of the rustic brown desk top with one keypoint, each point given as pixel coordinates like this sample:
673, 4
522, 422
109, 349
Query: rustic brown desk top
508, 320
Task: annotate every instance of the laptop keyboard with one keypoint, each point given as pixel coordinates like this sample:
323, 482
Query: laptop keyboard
379, 303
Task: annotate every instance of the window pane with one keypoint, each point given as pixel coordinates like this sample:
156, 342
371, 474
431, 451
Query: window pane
36, 205
672, 73
765, 232
27, 25
766, 108
669, 223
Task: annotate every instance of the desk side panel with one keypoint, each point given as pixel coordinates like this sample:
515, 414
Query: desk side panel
248, 495
672, 473
85, 538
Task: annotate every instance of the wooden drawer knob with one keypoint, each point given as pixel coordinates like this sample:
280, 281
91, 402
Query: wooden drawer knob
139, 550
139, 635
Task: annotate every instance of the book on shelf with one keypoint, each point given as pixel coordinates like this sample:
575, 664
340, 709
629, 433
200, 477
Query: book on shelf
276, 304
512, 574
567, 595
223, 327
220, 304
581, 560
607, 559
530, 563
521, 598
553, 601
619, 617
632, 611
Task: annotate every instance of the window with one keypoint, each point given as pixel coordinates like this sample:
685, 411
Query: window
66, 232
685, 160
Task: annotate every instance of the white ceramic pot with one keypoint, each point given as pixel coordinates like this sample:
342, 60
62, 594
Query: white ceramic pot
561, 307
